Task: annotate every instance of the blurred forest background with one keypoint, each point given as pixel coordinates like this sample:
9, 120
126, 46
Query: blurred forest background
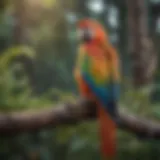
37, 53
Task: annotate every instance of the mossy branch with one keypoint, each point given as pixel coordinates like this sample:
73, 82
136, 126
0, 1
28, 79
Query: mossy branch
69, 114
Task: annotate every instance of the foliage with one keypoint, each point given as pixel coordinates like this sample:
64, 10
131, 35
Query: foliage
11, 91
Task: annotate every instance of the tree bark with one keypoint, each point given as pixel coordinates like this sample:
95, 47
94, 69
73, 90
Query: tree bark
143, 55
62, 114
21, 36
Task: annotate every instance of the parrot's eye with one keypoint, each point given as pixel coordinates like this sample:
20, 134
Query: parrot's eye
85, 34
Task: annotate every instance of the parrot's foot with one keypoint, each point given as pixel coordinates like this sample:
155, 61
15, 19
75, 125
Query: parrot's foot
113, 112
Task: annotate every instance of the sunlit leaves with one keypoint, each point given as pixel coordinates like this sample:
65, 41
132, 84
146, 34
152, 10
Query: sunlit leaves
112, 17
49, 3
11, 53
96, 6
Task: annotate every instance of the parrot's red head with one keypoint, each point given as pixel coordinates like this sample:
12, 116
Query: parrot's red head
91, 30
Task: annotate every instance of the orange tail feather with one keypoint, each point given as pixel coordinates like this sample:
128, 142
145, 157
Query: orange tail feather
107, 134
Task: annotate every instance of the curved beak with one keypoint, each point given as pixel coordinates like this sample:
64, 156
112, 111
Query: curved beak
84, 34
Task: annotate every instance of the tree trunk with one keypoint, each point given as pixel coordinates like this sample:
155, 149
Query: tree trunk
141, 47
19, 30
21, 36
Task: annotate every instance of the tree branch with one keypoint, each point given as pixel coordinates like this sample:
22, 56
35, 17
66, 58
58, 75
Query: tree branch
70, 113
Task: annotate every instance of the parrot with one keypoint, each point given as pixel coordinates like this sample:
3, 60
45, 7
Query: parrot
97, 74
